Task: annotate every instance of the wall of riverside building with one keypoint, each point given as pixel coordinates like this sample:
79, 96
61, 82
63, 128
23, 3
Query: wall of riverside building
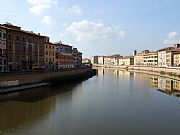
20, 79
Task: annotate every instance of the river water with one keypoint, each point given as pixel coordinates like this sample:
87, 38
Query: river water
111, 103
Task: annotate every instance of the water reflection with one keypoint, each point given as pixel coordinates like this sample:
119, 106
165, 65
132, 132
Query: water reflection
166, 85
36, 94
113, 103
27, 108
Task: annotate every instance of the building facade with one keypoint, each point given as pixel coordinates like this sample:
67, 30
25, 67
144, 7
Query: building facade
50, 56
64, 61
151, 59
25, 49
77, 57
127, 61
101, 60
176, 60
139, 58
162, 59
63, 49
3, 55
94, 60
166, 55
64, 56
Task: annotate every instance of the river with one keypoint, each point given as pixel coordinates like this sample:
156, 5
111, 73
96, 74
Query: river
110, 103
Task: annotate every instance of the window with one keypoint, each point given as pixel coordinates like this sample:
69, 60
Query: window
17, 58
24, 49
40, 50
5, 62
17, 47
0, 34
10, 58
23, 39
10, 46
30, 48
4, 35
30, 58
9, 36
4, 51
17, 38
24, 58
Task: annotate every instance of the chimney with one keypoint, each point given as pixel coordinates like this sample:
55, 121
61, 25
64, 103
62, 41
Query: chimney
135, 52
176, 45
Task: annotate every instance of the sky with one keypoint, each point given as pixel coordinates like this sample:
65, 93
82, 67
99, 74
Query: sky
99, 27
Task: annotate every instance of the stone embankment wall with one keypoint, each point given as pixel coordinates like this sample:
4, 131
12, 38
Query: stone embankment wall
143, 68
157, 69
147, 70
20, 79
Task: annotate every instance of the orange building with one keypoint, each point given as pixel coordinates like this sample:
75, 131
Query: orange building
64, 61
25, 49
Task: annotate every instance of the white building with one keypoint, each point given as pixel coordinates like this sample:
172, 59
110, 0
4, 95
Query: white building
165, 55
162, 59
101, 60
94, 60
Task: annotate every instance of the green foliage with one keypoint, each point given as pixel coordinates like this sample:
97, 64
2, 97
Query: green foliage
162, 72
170, 73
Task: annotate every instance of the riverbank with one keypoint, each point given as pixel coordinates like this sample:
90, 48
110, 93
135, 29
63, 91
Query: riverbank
168, 72
11, 83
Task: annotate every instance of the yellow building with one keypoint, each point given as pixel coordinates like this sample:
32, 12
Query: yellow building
128, 60
176, 60
139, 58
176, 85
50, 56
150, 59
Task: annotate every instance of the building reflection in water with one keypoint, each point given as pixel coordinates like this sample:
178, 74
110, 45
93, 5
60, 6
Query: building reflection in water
166, 85
114, 72
162, 84
24, 109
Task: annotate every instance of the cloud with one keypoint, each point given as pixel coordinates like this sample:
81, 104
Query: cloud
48, 21
172, 34
38, 7
92, 31
172, 38
75, 9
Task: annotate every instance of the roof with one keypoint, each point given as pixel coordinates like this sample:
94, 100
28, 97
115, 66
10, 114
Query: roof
61, 44
127, 57
18, 29
165, 49
50, 43
174, 50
